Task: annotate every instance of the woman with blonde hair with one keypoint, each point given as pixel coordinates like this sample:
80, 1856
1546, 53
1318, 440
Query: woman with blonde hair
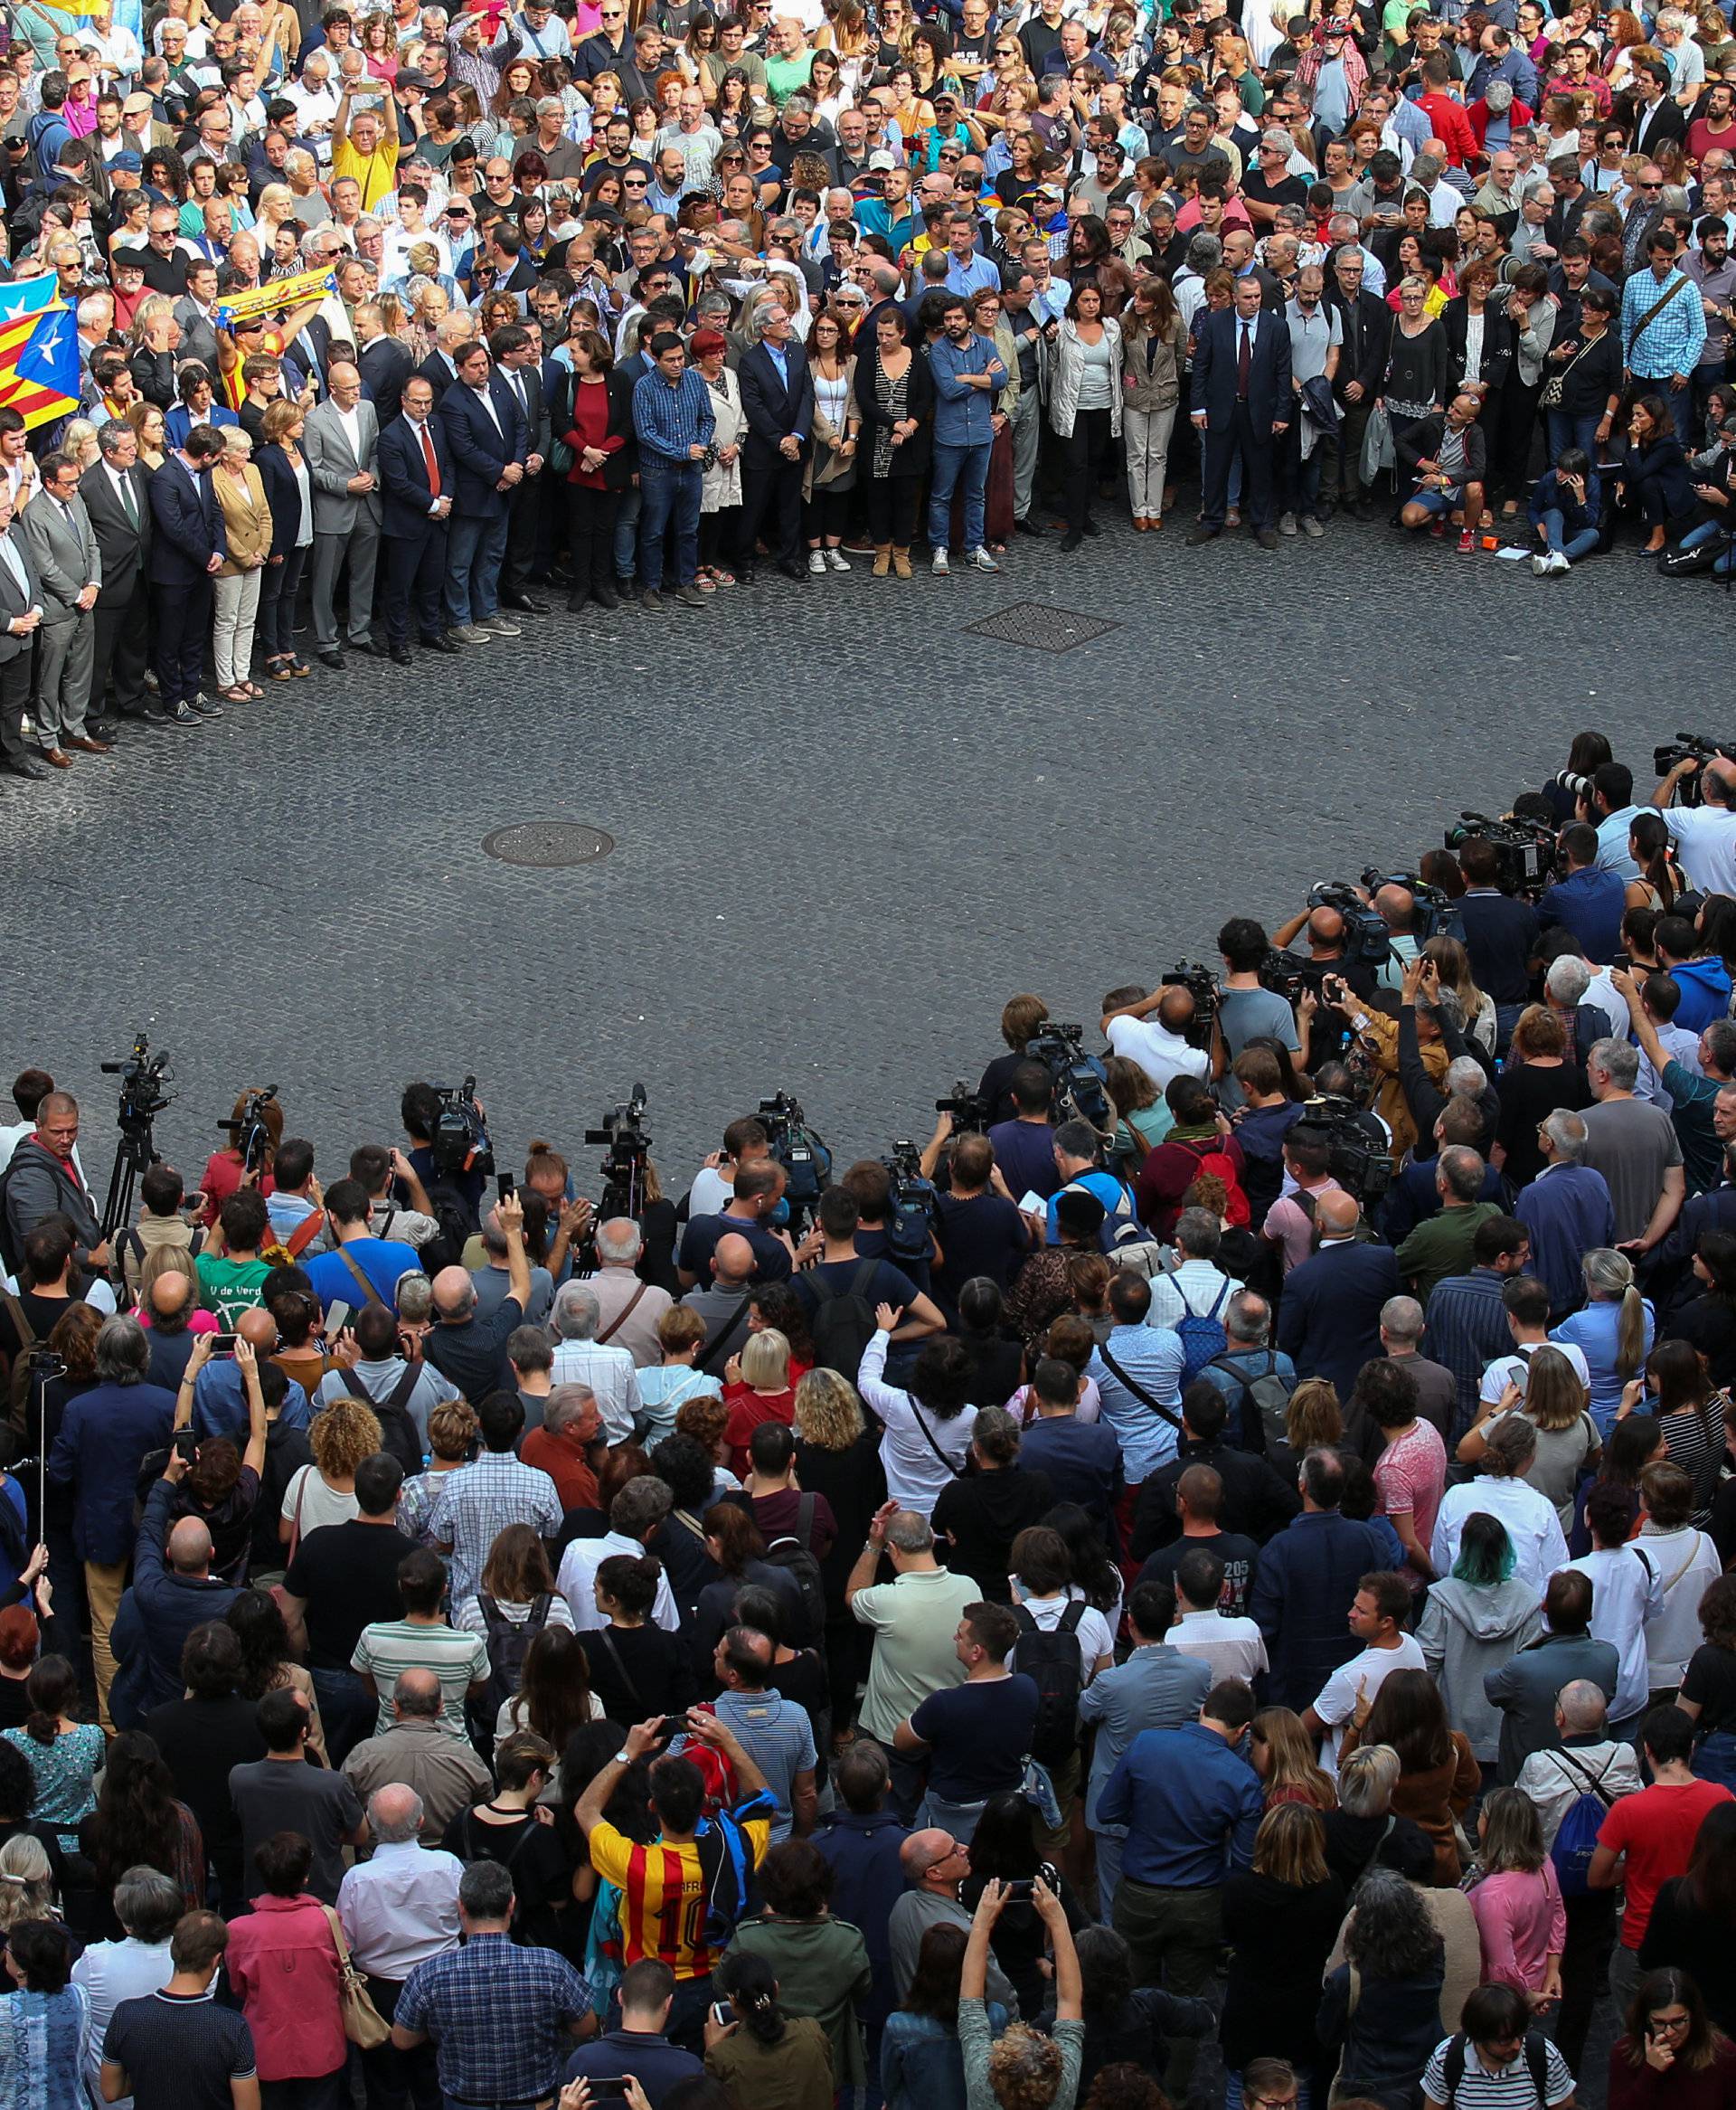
1282, 1753
837, 1455
1613, 1331
1517, 1899
452, 1432
1281, 1918
247, 528
26, 1882
756, 1389
1313, 1420
1453, 971
1567, 1442
341, 1437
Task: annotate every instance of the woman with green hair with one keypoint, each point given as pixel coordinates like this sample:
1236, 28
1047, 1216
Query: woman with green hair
1474, 1620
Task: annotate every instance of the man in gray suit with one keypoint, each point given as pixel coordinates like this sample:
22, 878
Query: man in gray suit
20, 617
56, 530
342, 442
194, 311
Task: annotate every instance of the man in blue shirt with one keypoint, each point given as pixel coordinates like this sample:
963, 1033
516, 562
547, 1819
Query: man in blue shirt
1611, 812
676, 424
967, 271
360, 1263
1138, 1355
968, 374
1591, 901
1191, 1807
1566, 1210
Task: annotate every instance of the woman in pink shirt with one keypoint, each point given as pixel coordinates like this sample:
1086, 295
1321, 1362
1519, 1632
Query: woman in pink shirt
282, 1963
1520, 1915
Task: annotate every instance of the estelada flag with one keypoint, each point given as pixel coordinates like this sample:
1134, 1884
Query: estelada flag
38, 351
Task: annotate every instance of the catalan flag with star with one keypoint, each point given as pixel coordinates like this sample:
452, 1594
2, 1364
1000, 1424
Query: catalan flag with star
38, 351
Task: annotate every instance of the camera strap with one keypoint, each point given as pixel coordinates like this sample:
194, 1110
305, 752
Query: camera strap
622, 1316
1139, 1391
720, 1351
361, 1281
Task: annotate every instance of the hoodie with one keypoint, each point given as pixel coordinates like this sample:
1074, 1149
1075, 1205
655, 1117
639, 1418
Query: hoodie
1467, 1629
1705, 993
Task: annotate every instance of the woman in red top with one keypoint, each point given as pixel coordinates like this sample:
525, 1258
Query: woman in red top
224, 1169
282, 1963
597, 422
1672, 2054
756, 1388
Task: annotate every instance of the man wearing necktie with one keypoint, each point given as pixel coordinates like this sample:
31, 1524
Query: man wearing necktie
55, 529
21, 613
1242, 407
517, 366
114, 492
415, 501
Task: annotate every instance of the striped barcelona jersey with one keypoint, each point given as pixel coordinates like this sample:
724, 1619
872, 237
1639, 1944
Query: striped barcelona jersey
667, 1891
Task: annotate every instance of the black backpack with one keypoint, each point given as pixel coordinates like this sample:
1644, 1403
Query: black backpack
794, 1553
1265, 1401
509, 1642
397, 1434
1050, 1657
843, 1321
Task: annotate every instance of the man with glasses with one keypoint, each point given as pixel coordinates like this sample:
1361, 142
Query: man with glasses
607, 49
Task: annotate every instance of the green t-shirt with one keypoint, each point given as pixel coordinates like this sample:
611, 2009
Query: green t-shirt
230, 1287
784, 76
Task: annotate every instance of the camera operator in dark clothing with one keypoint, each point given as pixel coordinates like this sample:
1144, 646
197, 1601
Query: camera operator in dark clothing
1020, 1017
420, 1110
1501, 936
982, 1232
1024, 1145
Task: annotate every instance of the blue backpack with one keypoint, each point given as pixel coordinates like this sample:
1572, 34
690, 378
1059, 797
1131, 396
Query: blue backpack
1201, 1334
1576, 1841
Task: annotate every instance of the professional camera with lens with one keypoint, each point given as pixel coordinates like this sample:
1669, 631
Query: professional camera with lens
1686, 746
1080, 1088
971, 1113
142, 1078
1436, 915
627, 1146
1524, 849
1360, 1163
1288, 974
1367, 939
1201, 984
913, 1211
250, 1137
805, 1160
460, 1143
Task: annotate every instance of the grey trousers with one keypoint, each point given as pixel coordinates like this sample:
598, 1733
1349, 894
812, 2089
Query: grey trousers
1027, 434
360, 548
65, 657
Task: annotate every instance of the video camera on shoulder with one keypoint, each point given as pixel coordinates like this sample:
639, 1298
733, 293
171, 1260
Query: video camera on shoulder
1080, 1087
460, 1143
249, 1134
1694, 746
971, 1113
1359, 1161
1201, 984
1367, 939
913, 1211
1436, 914
1524, 849
805, 1160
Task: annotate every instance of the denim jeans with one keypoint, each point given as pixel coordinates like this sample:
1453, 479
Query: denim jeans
1110, 1846
1582, 544
960, 1819
956, 465
1571, 429
668, 491
627, 535
1705, 533
347, 1710
473, 551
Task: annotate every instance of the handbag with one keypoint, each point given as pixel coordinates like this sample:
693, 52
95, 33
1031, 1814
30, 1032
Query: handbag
364, 2025
1554, 388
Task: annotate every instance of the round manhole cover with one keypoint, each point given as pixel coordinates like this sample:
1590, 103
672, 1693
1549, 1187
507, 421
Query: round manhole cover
548, 842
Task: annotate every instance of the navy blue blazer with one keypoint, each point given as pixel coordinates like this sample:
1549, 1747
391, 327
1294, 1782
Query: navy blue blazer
1329, 1318
772, 411
481, 448
282, 494
405, 495
1269, 395
189, 524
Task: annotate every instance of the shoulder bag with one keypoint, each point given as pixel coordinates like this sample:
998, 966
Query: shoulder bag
363, 2024
1139, 1390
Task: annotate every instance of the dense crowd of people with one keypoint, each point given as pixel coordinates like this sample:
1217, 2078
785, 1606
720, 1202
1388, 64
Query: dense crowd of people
389, 322
1237, 1566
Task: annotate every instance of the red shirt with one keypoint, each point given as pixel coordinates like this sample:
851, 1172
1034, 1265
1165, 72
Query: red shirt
574, 1481
1452, 126
590, 428
1657, 1829
748, 1408
282, 1962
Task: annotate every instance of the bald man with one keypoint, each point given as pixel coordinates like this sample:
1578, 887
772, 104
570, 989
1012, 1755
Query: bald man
723, 1304
466, 1347
219, 1395
173, 1592
416, 1754
934, 1865
1329, 1323
399, 1907
1705, 834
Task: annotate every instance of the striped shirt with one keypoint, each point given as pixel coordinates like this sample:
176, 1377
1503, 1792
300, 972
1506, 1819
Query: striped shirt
392, 1646
1671, 343
666, 1891
669, 420
1508, 2089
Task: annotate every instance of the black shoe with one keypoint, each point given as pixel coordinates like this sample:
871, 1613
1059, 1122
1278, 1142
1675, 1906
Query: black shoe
1090, 527
1069, 542
1362, 509
401, 656
21, 765
1266, 537
744, 574
335, 660
798, 573
368, 646
176, 715
524, 602
651, 600
205, 706
578, 600
441, 644
1033, 528
604, 597
1201, 535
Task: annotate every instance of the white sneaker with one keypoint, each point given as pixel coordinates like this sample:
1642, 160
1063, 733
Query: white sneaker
816, 563
938, 567
1541, 564
1287, 524
1558, 561
983, 561
835, 561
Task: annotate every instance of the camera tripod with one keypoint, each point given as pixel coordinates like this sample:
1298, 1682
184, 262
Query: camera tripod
134, 1154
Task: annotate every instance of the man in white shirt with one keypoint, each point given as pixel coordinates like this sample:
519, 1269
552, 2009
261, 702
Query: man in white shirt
1377, 1615
636, 1516
1627, 1590
1589, 1761
580, 1359
1527, 1306
1230, 1647
399, 1909
1158, 1043
1705, 834
1532, 1528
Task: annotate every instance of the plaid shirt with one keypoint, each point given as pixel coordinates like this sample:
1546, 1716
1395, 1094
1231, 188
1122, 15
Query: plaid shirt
499, 2015
477, 1504
1671, 341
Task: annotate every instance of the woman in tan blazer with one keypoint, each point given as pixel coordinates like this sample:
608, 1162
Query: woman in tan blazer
247, 521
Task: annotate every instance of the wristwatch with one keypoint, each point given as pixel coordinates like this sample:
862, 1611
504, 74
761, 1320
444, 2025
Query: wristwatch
622, 1757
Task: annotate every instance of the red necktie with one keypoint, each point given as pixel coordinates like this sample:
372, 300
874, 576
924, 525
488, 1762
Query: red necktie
1243, 360
433, 466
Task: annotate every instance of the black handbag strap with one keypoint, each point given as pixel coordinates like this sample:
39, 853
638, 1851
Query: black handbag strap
1139, 1390
626, 1676
950, 1470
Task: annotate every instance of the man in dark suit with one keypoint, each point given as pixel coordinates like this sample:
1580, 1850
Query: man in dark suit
1242, 406
1658, 118
1329, 1321
118, 498
21, 612
386, 363
1366, 322
518, 370
416, 500
777, 401
451, 333
487, 433
187, 546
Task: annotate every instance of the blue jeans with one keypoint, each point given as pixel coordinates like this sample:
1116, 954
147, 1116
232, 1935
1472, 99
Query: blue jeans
627, 535
956, 465
1679, 400
960, 1819
1571, 429
669, 491
475, 549
347, 1710
1553, 527
1705, 533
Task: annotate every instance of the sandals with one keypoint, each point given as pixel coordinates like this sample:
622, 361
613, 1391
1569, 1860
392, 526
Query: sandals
236, 691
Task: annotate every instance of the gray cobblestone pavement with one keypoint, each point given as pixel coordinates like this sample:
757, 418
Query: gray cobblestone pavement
846, 828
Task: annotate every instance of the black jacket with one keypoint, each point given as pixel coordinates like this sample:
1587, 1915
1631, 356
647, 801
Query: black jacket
1367, 323
912, 458
1498, 340
1257, 1500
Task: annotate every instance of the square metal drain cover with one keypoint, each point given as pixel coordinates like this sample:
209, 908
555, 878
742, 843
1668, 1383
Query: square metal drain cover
1043, 628
547, 844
